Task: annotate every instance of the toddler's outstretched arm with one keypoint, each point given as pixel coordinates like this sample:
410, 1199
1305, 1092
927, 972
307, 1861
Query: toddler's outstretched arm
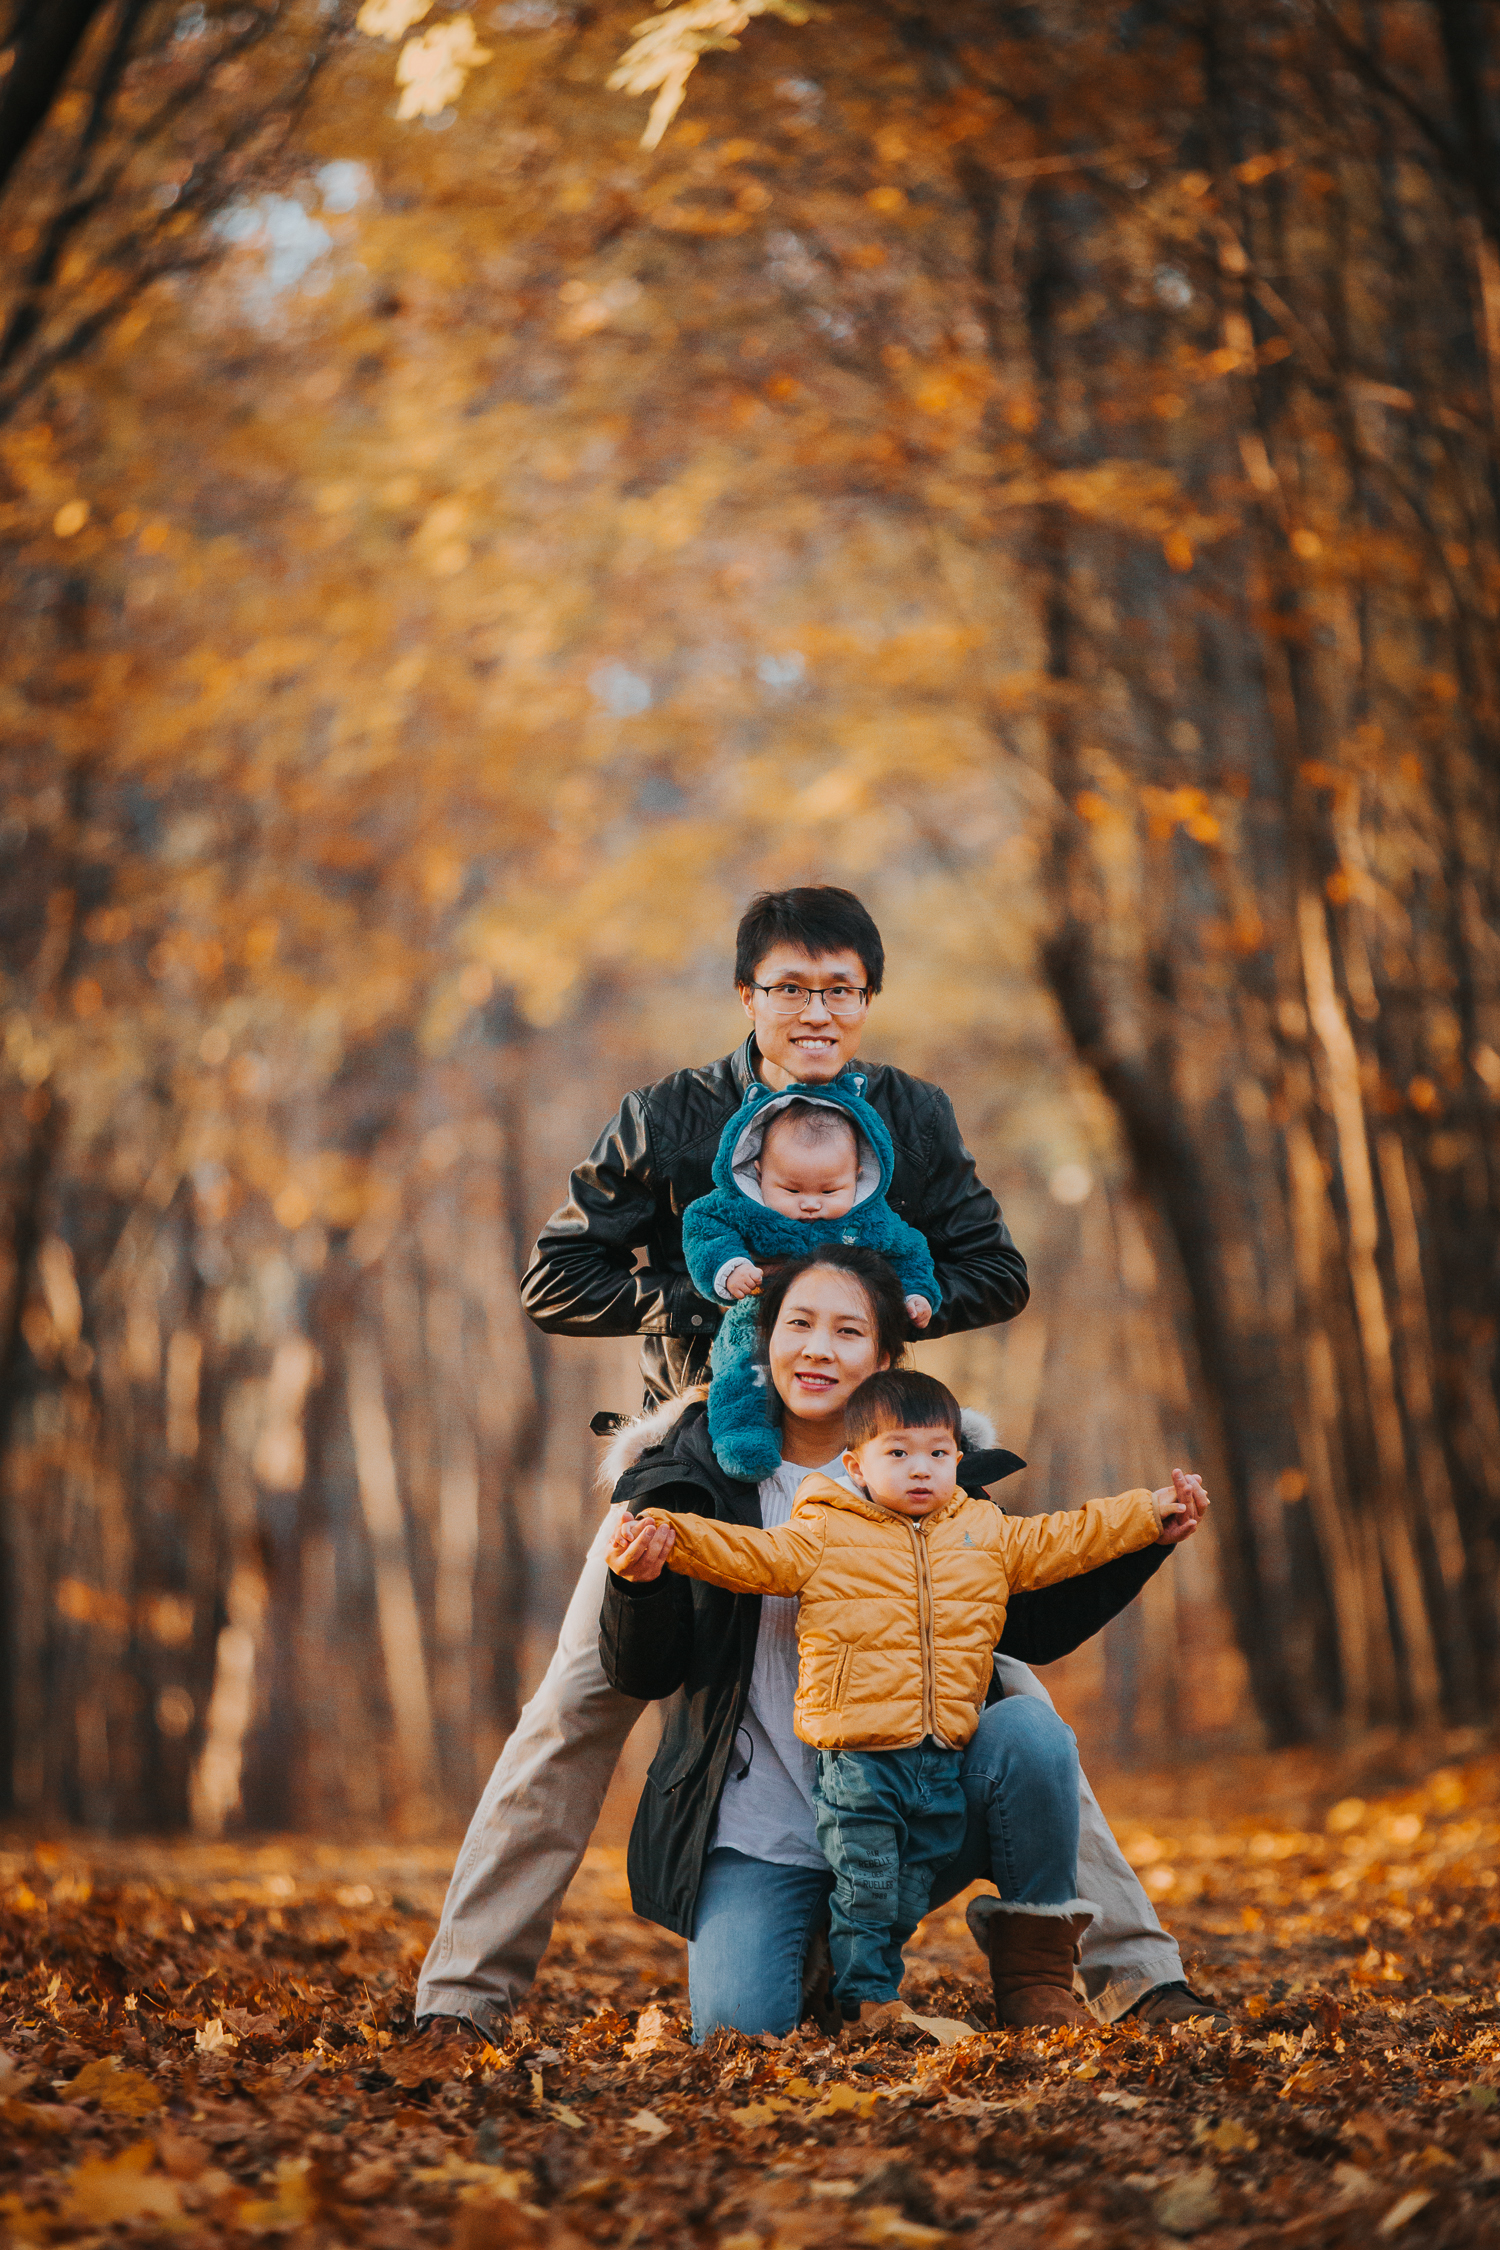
1039, 1550
743, 1558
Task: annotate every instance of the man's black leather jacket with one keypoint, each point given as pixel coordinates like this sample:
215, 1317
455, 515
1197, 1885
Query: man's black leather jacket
656, 1155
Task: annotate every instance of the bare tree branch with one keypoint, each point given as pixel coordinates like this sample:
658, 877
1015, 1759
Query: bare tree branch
147, 245
46, 39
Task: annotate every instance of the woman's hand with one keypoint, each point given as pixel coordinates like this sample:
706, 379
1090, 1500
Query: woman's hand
639, 1550
1185, 1503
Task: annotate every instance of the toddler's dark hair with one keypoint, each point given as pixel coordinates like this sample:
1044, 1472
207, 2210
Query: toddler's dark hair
900, 1399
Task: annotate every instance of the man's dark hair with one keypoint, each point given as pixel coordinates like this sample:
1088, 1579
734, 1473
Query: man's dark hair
900, 1399
876, 1277
819, 918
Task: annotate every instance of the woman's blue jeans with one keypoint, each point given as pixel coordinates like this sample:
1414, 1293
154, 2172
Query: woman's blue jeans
755, 1921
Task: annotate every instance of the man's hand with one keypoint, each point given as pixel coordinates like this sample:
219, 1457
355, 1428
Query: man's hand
1185, 1503
918, 1311
639, 1551
743, 1280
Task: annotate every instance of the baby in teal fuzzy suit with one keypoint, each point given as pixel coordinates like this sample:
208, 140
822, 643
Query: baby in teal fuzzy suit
793, 1170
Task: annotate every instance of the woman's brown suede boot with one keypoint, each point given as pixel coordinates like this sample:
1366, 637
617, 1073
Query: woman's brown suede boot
1031, 1960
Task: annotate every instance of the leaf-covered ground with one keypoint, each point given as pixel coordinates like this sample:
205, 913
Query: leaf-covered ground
215, 2044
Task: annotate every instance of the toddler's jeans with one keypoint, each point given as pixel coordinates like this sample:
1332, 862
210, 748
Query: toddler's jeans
887, 1821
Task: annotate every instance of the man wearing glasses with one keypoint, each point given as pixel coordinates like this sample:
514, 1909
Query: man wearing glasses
609, 1263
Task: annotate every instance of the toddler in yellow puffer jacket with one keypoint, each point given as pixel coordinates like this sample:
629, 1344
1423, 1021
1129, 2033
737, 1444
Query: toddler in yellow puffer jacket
903, 1582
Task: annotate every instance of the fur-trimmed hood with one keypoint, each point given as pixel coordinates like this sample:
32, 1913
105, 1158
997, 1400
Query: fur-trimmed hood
633, 1439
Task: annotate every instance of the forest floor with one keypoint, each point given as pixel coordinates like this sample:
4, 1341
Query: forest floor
214, 2043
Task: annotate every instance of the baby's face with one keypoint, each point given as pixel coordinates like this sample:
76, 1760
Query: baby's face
808, 1179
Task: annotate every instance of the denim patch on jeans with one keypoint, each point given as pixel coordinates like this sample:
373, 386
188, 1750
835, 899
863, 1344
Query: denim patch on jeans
887, 1821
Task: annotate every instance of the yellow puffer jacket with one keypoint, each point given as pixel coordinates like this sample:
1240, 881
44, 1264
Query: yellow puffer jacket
899, 1618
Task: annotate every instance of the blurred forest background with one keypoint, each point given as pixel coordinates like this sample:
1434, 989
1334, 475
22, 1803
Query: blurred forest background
1036, 464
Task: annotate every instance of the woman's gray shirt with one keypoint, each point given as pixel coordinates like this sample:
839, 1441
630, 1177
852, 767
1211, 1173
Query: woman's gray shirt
766, 1812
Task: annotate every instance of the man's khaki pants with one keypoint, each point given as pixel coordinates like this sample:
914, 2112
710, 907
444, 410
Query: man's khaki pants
538, 1812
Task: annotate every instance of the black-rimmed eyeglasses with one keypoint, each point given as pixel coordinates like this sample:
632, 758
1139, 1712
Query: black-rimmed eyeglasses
791, 999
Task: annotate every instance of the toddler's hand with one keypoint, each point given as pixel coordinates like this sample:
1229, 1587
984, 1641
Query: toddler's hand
918, 1311
639, 1550
743, 1280
1185, 1503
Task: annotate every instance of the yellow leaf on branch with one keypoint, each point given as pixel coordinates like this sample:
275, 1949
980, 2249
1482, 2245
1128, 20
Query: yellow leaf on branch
664, 50
432, 68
